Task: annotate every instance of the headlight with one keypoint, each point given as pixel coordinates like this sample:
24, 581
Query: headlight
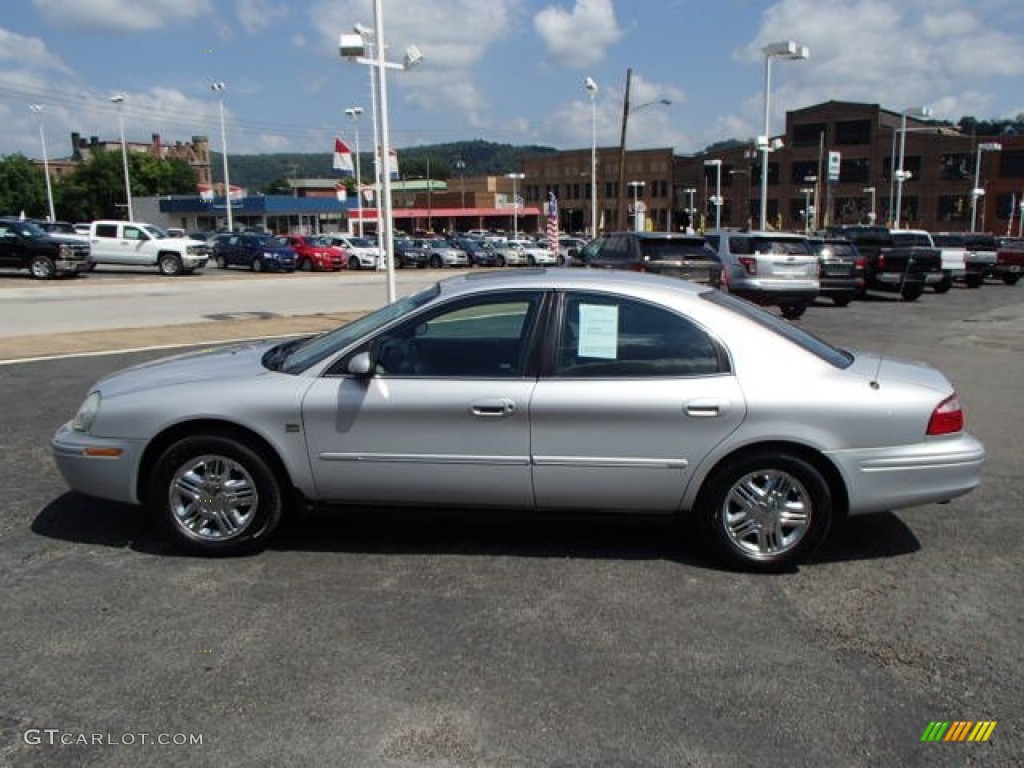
269, 255
65, 251
87, 413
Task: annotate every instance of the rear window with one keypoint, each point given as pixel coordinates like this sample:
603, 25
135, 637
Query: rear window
911, 239
768, 244
676, 250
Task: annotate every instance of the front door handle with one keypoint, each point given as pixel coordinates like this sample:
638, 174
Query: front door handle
499, 407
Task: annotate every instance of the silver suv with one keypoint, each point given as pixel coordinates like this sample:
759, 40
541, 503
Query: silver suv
769, 268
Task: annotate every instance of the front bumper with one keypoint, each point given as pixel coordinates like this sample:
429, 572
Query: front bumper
103, 476
935, 470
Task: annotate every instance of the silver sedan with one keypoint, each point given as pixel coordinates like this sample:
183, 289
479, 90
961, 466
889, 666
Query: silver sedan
547, 389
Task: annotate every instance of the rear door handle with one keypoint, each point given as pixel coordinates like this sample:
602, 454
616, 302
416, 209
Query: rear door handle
498, 407
706, 409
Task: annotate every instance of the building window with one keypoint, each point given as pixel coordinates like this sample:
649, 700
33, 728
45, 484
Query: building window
855, 170
808, 135
954, 208
1011, 164
799, 171
955, 167
853, 132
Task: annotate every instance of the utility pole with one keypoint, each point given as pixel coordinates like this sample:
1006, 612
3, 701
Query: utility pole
620, 197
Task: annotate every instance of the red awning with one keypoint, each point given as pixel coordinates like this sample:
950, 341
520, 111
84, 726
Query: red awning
440, 213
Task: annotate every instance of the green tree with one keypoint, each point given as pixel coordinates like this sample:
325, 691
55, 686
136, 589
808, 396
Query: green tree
95, 190
22, 188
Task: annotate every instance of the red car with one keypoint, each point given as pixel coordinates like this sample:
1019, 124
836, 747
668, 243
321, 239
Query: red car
316, 253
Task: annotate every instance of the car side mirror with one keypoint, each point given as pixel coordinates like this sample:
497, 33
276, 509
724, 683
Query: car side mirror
361, 365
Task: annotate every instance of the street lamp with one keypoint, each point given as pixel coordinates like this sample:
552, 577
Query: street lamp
591, 87
636, 186
978, 191
515, 201
786, 51
38, 109
219, 89
460, 166
901, 174
871, 213
690, 192
717, 199
118, 98
354, 47
354, 113
808, 211
626, 107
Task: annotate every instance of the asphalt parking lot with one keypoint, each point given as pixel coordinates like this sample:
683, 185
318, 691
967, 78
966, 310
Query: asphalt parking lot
397, 638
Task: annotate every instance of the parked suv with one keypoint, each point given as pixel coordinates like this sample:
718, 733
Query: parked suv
687, 257
768, 268
840, 269
257, 252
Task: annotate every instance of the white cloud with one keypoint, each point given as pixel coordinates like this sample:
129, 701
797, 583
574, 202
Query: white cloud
28, 52
122, 15
578, 37
257, 15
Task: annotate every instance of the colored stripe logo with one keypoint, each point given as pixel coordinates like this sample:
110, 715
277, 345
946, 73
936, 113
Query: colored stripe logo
959, 730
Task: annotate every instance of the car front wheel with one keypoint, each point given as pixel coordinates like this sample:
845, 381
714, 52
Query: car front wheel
257, 264
766, 511
170, 264
216, 495
435, 262
42, 268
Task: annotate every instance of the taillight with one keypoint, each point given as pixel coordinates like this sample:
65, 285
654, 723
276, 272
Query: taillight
947, 418
881, 261
749, 264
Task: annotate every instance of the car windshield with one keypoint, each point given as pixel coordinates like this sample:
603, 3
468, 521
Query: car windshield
155, 232
820, 348
319, 241
316, 349
267, 240
24, 228
360, 242
676, 250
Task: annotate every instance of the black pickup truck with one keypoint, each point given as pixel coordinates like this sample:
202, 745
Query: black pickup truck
23, 245
888, 267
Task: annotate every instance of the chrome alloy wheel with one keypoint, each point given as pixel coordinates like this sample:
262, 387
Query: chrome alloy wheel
766, 513
213, 498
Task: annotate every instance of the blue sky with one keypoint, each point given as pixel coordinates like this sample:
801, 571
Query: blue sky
509, 71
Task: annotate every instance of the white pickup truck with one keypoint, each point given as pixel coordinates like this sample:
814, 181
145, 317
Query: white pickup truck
136, 244
954, 265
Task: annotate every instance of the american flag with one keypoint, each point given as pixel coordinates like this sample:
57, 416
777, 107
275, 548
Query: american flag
552, 222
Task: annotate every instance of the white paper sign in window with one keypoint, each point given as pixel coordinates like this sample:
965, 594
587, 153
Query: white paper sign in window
599, 331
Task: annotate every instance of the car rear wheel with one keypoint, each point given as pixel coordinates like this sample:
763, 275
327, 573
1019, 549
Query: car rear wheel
216, 495
912, 292
766, 511
1011, 279
500, 261
793, 311
842, 299
306, 265
945, 284
974, 281
257, 264
435, 261
222, 262
42, 268
169, 264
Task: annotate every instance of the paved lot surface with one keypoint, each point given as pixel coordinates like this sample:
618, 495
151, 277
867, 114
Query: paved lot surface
396, 638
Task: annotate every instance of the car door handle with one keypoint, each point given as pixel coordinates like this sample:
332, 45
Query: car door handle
705, 409
495, 408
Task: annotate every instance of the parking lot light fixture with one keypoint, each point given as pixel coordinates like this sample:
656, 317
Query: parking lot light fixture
808, 210
591, 85
636, 186
38, 109
219, 88
786, 51
901, 174
515, 201
717, 199
978, 190
690, 193
354, 113
118, 99
871, 214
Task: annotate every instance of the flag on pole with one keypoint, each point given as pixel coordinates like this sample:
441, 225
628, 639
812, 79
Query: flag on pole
340, 191
552, 222
393, 163
343, 158
206, 193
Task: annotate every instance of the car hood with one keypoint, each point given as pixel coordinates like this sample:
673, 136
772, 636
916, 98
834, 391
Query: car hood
882, 369
204, 365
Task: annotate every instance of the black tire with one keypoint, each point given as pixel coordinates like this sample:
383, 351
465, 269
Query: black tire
501, 261
42, 268
843, 299
1011, 279
306, 265
531, 260
257, 264
219, 522
90, 266
435, 262
353, 263
169, 264
786, 515
222, 262
974, 281
912, 291
946, 283
793, 311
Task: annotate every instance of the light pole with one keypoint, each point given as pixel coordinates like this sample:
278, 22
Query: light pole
515, 201
354, 114
636, 186
38, 109
787, 51
808, 211
871, 213
118, 98
460, 166
591, 87
978, 191
901, 174
690, 192
717, 199
355, 47
626, 107
219, 89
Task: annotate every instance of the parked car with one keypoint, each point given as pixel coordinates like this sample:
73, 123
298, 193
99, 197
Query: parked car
408, 255
479, 253
672, 254
979, 254
362, 252
440, 253
316, 253
840, 269
1009, 266
508, 254
24, 246
567, 244
769, 268
537, 253
498, 390
258, 252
